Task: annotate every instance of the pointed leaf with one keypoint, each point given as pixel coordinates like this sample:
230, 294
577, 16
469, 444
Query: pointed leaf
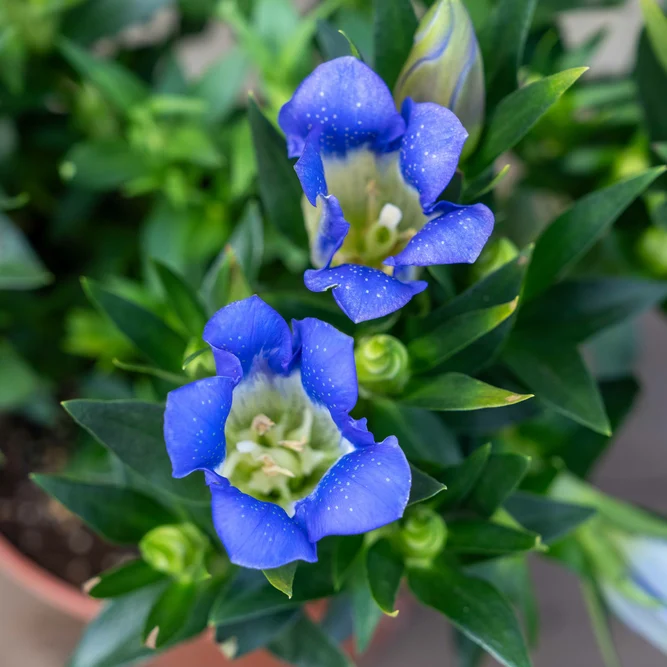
566, 239
366, 614
346, 551
423, 486
656, 28
20, 268
385, 570
651, 81
461, 479
394, 27
169, 612
124, 579
475, 536
475, 608
282, 578
501, 475
455, 391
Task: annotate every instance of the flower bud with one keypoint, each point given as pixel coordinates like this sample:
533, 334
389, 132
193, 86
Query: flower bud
382, 364
178, 550
445, 66
423, 535
652, 251
496, 253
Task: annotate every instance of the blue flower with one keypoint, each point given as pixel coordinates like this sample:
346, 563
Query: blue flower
285, 463
373, 178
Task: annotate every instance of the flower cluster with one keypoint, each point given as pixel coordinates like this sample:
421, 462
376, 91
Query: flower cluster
374, 177
285, 462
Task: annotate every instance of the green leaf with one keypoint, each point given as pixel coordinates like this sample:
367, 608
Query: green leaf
143, 369
549, 518
456, 334
475, 536
366, 614
305, 644
279, 186
247, 241
345, 553
455, 391
651, 81
182, 300
224, 282
501, 475
332, 43
516, 114
104, 164
118, 85
656, 29
157, 341
556, 373
124, 579
282, 578
568, 237
238, 639
169, 612
20, 268
423, 486
132, 430
424, 437
461, 479
503, 40
18, 381
578, 309
384, 566
394, 27
232, 69
118, 514
92, 20
475, 608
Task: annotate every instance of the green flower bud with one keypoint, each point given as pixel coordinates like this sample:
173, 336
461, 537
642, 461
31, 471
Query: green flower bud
652, 251
382, 364
445, 66
178, 550
423, 535
495, 254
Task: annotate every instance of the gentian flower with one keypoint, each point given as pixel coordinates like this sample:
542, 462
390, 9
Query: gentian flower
284, 461
445, 66
373, 178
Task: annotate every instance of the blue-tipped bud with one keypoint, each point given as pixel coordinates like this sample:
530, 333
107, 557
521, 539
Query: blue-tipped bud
445, 66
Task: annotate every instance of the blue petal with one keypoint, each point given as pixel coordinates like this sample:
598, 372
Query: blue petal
345, 104
253, 332
456, 237
310, 170
256, 534
194, 424
331, 233
366, 489
328, 370
356, 431
361, 292
430, 149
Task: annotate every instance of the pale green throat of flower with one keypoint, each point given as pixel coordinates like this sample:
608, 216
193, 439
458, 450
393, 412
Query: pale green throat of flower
383, 211
279, 443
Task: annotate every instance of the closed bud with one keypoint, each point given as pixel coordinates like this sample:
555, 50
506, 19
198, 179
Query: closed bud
496, 253
445, 66
423, 535
178, 550
382, 364
652, 251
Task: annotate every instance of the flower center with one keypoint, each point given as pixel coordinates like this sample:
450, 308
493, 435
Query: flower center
279, 443
383, 211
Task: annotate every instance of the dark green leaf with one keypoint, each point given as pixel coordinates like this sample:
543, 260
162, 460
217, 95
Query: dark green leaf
103, 165
656, 28
20, 268
124, 579
475, 608
500, 477
279, 186
475, 536
557, 375
224, 281
423, 486
247, 241
578, 309
503, 41
366, 614
516, 114
237, 639
116, 513
394, 27
461, 479
18, 381
132, 430
282, 577
469, 654
566, 239
332, 43
151, 335
423, 436
651, 81
118, 85
169, 612
549, 518
454, 335
305, 644
182, 300
345, 553
385, 570
455, 391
